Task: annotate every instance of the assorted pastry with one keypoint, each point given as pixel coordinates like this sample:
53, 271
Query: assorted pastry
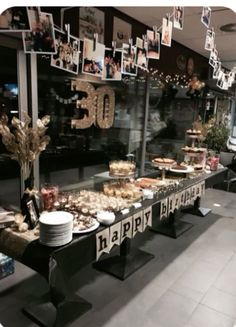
193, 149
145, 182
125, 190
82, 223
193, 132
180, 167
163, 162
122, 168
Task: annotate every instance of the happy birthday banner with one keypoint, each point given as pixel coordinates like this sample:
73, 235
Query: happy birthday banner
126, 228
181, 199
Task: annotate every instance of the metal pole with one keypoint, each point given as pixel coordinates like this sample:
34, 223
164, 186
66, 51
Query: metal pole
34, 104
144, 142
22, 93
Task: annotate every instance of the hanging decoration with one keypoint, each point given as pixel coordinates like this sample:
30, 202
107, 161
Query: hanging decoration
67, 52
153, 44
63, 100
178, 18
225, 79
97, 108
195, 87
166, 35
105, 107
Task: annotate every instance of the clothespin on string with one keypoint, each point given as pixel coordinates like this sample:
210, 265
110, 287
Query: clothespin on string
67, 29
145, 43
113, 47
95, 40
130, 45
155, 29
167, 19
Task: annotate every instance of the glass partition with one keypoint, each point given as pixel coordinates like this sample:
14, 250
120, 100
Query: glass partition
74, 156
9, 169
171, 112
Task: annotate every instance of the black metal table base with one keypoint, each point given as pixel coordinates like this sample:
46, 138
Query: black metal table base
45, 314
196, 209
173, 230
122, 266
200, 212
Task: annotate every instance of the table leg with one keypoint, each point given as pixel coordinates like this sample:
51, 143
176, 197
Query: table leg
60, 306
196, 209
172, 226
123, 265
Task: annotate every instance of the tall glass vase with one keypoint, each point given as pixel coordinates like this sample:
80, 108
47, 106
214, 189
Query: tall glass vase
28, 202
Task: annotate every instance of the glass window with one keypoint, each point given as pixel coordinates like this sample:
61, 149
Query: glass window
9, 169
74, 156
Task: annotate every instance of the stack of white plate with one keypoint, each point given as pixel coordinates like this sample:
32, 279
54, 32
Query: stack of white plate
55, 228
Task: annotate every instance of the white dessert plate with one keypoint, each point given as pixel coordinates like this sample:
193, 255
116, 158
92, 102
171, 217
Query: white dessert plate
82, 231
184, 171
56, 218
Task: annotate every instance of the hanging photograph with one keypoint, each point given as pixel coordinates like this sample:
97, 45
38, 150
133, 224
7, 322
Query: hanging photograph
179, 17
121, 32
153, 45
112, 65
67, 52
166, 35
210, 40
15, 19
220, 80
141, 59
231, 78
93, 58
213, 57
129, 59
216, 70
91, 21
206, 16
42, 37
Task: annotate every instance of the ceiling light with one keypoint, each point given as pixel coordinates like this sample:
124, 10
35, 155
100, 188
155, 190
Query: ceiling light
230, 28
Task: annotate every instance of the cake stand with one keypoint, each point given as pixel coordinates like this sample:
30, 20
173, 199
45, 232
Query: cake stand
163, 167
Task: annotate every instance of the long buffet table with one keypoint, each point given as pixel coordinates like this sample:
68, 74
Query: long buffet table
59, 264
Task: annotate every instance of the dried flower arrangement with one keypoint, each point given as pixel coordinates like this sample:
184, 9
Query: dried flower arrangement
24, 142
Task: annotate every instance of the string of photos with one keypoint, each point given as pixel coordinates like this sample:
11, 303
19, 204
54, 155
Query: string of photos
225, 78
41, 36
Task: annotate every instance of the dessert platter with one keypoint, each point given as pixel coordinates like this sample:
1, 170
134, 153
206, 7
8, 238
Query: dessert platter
122, 169
84, 224
195, 156
123, 189
181, 168
148, 183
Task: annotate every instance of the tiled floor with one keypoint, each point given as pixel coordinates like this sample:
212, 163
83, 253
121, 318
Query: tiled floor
190, 283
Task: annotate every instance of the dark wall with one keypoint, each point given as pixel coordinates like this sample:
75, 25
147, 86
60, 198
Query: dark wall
169, 55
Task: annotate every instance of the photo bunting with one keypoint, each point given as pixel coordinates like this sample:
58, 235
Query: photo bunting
15, 19
141, 58
121, 32
153, 44
166, 35
112, 65
42, 37
181, 199
178, 17
126, 228
67, 52
210, 40
206, 16
91, 21
93, 59
129, 59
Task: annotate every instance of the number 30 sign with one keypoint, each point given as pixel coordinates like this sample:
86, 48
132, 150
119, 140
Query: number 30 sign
99, 105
